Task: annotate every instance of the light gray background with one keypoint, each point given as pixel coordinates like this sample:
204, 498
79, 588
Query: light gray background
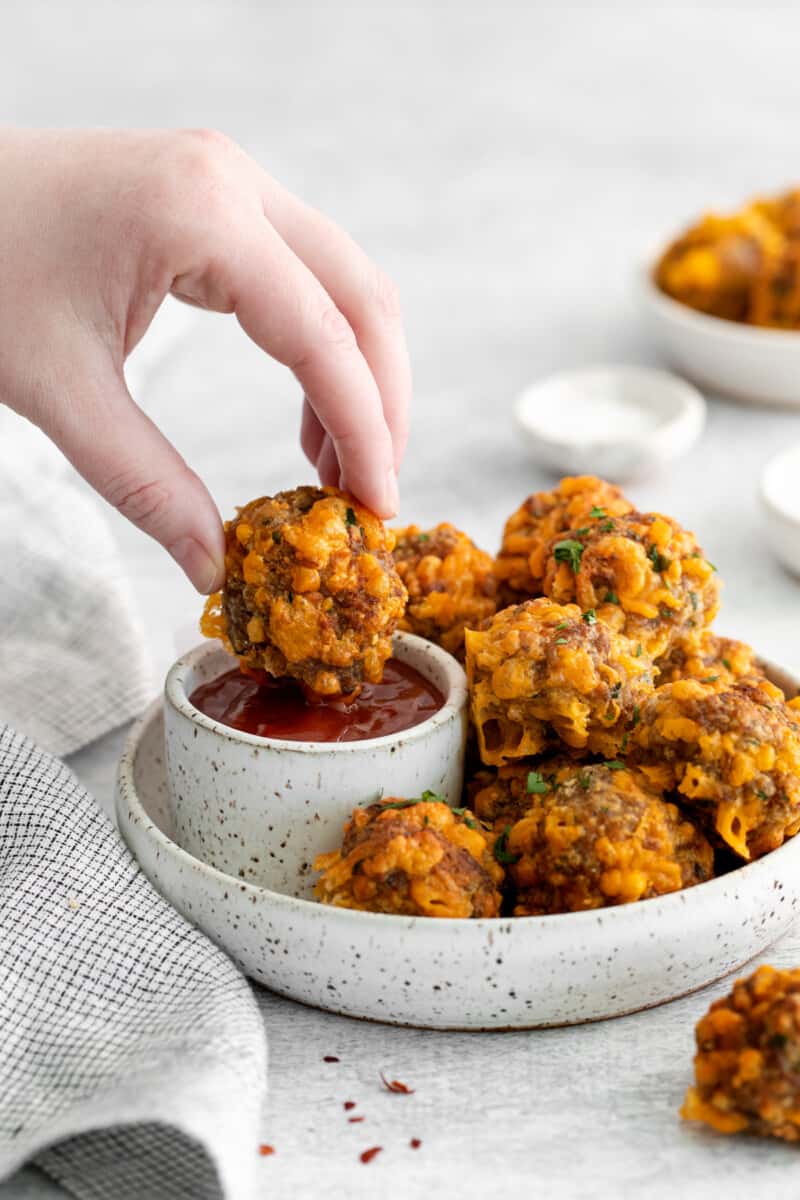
509, 164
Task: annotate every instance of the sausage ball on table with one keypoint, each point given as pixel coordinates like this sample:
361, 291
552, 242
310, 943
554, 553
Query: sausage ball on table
641, 573
578, 499
703, 655
602, 836
311, 590
747, 1066
541, 672
732, 754
450, 583
413, 857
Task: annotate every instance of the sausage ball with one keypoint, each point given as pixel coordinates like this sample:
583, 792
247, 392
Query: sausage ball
520, 565
747, 1065
503, 796
733, 754
713, 265
641, 573
602, 836
450, 584
703, 655
311, 590
775, 298
413, 857
541, 671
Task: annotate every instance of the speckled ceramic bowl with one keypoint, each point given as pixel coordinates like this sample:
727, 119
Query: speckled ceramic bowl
261, 808
448, 974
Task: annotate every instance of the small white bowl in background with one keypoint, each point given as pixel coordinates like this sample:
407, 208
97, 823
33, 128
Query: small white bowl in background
261, 809
749, 363
617, 421
780, 502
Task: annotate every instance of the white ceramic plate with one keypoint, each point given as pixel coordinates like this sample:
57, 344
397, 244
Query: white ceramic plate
753, 365
449, 974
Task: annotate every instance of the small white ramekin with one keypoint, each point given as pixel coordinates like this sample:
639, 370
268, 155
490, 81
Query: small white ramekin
261, 809
780, 504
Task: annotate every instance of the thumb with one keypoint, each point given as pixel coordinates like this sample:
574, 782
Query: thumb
127, 459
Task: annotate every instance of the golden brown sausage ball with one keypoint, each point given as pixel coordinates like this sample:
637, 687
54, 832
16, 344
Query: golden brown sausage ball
713, 265
775, 295
520, 565
311, 590
641, 573
415, 857
450, 584
703, 655
747, 1065
542, 671
503, 796
600, 837
733, 754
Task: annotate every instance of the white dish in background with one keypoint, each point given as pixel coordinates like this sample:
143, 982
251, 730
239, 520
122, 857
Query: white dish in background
262, 809
751, 364
449, 974
780, 502
617, 421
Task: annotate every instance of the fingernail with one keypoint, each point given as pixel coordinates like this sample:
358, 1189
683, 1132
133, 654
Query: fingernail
204, 572
391, 493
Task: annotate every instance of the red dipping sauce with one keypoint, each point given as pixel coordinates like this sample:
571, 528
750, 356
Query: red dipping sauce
277, 708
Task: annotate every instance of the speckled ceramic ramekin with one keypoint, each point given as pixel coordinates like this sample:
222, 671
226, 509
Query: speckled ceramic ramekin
261, 809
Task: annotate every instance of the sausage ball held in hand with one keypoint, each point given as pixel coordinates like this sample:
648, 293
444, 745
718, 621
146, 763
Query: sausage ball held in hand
311, 590
541, 671
601, 836
413, 857
450, 583
747, 1066
642, 573
732, 753
520, 565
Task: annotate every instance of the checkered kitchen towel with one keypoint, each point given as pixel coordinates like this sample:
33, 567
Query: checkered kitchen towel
132, 1054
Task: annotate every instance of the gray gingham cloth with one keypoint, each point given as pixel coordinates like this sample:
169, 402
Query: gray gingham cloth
132, 1054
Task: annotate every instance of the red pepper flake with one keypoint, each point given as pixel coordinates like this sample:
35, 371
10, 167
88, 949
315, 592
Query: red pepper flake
415, 1143
355, 1120
368, 1155
264, 1150
348, 1104
330, 1058
394, 1085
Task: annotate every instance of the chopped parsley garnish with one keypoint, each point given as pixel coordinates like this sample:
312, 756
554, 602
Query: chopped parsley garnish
624, 745
501, 853
582, 531
585, 781
636, 715
562, 625
401, 803
693, 598
614, 765
639, 651
423, 537
713, 568
597, 512
659, 561
607, 526
569, 551
467, 817
616, 689
710, 679
350, 517
537, 785
561, 641
590, 616
727, 665
611, 598
432, 797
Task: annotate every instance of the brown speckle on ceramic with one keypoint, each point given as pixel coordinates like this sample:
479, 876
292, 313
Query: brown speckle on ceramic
449, 974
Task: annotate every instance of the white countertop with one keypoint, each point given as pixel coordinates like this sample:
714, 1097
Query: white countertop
508, 164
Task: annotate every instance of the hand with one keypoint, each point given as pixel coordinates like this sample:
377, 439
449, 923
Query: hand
97, 227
